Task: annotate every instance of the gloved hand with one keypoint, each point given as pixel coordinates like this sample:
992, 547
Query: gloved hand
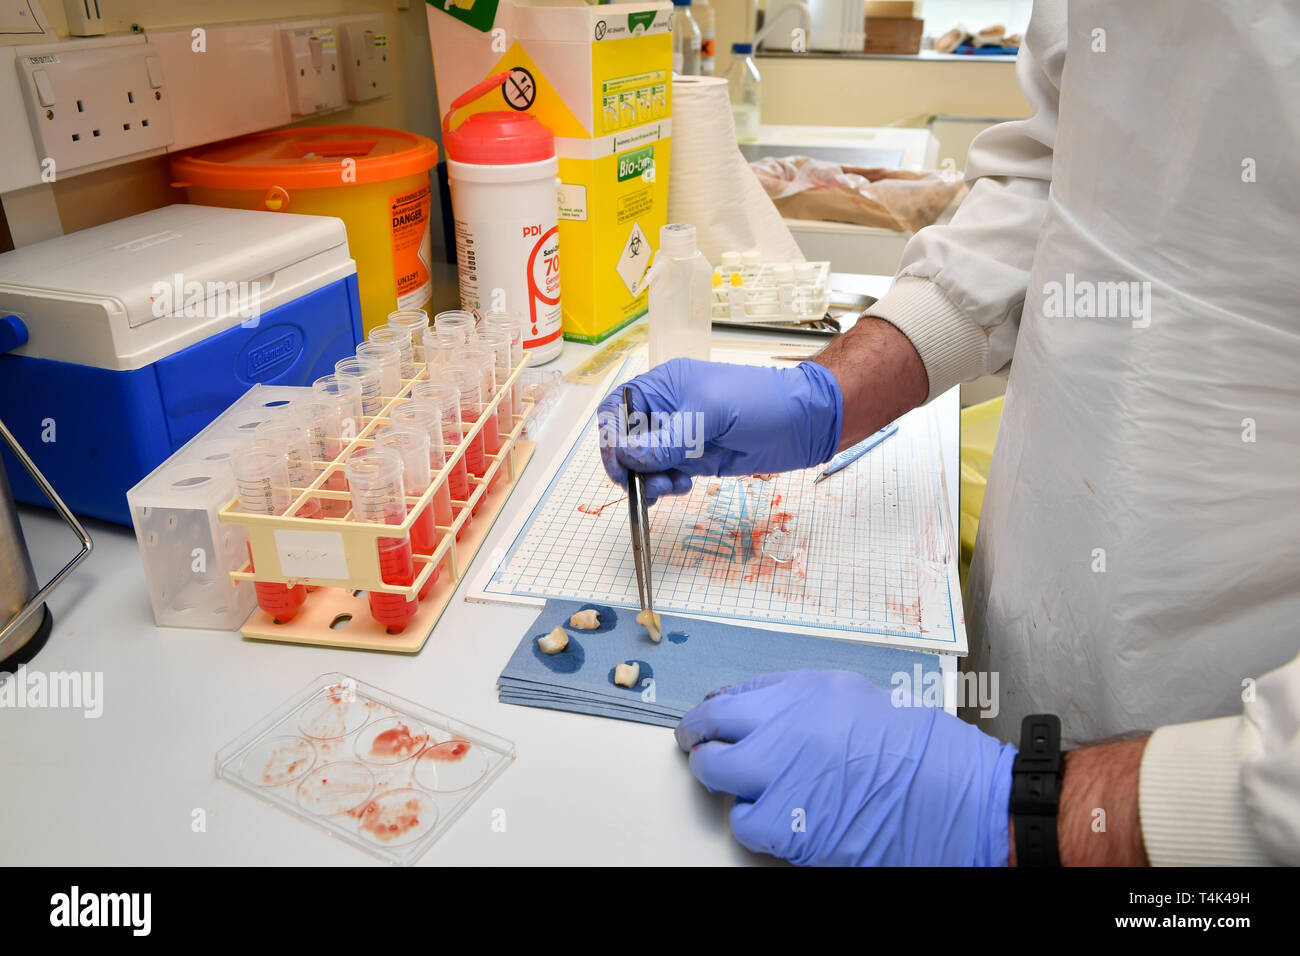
711, 418
827, 770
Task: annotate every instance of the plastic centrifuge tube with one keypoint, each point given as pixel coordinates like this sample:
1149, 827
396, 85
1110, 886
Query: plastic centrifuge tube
262, 484
445, 397
514, 325
379, 497
414, 321
467, 380
326, 433
426, 416
484, 361
498, 340
456, 321
344, 391
400, 336
389, 359
439, 349
369, 376
290, 433
412, 443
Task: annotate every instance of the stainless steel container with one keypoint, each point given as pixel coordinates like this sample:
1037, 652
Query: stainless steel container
25, 621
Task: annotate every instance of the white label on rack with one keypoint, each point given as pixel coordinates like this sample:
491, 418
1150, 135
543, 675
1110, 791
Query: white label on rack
311, 554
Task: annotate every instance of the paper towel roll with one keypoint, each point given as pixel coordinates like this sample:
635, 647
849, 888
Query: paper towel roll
711, 186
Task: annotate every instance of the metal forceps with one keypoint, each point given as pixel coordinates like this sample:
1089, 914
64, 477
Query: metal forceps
640, 518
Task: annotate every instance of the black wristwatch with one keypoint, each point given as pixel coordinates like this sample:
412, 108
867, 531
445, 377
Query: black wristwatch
1036, 790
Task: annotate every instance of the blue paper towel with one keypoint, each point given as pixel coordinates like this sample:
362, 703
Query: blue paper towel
694, 658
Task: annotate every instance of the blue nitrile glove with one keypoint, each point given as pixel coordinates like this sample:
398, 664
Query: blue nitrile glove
711, 418
827, 770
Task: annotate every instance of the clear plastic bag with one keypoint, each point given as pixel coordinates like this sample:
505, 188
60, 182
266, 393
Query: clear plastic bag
804, 188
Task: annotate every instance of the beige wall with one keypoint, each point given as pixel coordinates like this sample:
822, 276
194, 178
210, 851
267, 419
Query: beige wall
125, 190
830, 92
815, 90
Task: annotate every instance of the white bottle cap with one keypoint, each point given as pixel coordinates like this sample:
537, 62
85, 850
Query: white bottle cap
752, 257
677, 239
783, 273
730, 259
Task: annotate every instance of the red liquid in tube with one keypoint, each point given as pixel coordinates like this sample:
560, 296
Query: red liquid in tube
279, 600
395, 567
424, 541
475, 456
458, 478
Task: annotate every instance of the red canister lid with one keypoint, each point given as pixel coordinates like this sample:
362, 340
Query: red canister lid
499, 138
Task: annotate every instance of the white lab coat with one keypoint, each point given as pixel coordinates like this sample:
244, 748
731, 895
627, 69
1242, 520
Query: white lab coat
1138, 557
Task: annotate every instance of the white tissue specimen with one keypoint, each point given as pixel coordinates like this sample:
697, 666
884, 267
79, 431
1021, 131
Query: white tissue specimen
554, 642
650, 621
585, 620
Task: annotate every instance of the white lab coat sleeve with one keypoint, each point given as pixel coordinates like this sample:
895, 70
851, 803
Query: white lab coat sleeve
961, 286
1227, 791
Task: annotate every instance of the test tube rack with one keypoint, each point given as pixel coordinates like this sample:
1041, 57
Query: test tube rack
343, 552
762, 297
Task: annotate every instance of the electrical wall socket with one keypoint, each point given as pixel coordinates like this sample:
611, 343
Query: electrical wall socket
84, 18
311, 60
93, 102
363, 46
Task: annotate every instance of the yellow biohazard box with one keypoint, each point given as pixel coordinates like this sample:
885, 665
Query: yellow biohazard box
600, 77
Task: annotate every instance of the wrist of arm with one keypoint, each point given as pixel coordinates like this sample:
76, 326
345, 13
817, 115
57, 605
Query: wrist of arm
880, 374
1097, 823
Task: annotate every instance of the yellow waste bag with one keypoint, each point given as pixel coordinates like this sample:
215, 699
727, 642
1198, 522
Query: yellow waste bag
979, 432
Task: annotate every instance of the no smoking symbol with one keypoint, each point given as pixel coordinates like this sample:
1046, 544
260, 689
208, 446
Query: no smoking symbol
600, 29
519, 89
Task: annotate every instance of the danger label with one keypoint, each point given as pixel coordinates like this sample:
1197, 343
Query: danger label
412, 247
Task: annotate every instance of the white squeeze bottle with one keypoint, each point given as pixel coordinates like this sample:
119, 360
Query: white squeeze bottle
681, 297
502, 169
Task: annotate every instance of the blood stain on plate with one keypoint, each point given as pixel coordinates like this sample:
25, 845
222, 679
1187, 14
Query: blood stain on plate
450, 752
397, 743
398, 816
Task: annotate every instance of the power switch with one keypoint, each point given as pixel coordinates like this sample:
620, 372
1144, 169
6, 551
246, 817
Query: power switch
154, 66
44, 88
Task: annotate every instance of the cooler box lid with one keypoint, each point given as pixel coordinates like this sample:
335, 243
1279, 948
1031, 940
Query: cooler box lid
124, 294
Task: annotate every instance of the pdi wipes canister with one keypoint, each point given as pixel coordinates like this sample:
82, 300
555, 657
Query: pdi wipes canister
502, 170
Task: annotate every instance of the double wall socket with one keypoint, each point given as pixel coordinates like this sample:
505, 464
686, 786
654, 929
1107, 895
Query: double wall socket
363, 43
93, 102
311, 62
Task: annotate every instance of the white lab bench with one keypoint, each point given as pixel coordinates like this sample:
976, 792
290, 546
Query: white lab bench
124, 788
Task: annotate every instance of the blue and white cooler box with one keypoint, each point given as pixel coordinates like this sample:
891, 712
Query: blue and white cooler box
123, 341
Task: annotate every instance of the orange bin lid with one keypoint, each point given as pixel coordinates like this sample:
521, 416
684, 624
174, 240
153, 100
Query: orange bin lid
308, 157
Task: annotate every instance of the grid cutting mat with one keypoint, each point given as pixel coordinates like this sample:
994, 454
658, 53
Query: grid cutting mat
866, 555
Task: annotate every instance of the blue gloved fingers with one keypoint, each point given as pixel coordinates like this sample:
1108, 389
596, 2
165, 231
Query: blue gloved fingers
613, 467
612, 422
730, 716
754, 683
662, 483
753, 828
725, 768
